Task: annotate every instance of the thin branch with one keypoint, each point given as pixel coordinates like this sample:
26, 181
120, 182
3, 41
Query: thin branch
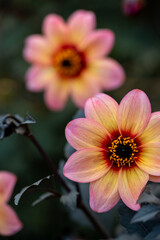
48, 161
80, 204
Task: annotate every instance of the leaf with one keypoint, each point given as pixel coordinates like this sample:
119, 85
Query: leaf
146, 213
68, 150
128, 236
46, 184
43, 197
154, 234
126, 214
70, 199
148, 197
10, 124
79, 114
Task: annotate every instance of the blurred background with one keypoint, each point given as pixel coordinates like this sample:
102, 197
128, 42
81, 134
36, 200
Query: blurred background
137, 48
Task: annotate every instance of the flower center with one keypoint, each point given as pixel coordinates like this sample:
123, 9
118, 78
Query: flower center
123, 151
69, 62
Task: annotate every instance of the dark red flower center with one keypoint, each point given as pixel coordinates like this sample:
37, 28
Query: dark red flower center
123, 151
69, 62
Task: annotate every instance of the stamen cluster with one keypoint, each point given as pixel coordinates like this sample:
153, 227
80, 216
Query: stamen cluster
69, 62
123, 151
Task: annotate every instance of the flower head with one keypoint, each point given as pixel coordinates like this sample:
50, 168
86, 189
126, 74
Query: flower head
118, 149
132, 7
9, 222
69, 60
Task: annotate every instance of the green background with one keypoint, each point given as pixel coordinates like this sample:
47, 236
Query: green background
137, 48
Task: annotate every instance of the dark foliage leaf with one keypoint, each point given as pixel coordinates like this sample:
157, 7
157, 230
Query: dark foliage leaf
154, 234
148, 197
43, 197
68, 149
146, 213
70, 199
128, 237
79, 114
125, 217
10, 124
46, 185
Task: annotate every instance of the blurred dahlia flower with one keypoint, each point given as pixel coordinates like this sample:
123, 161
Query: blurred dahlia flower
131, 7
9, 222
118, 149
69, 60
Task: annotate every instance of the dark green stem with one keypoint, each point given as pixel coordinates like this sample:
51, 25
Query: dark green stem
80, 204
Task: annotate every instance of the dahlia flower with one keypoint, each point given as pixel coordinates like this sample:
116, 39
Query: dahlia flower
118, 149
69, 60
132, 7
9, 222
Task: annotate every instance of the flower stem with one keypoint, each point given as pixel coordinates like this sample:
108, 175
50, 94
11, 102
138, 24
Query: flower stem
48, 161
80, 204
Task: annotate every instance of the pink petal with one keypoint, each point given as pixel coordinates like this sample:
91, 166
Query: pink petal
85, 133
9, 222
134, 113
104, 192
103, 109
154, 178
7, 183
98, 43
149, 159
152, 131
55, 29
81, 90
131, 183
80, 24
56, 95
87, 165
110, 72
38, 78
37, 50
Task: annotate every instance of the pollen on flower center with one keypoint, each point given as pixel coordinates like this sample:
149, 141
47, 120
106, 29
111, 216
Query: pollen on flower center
69, 62
123, 151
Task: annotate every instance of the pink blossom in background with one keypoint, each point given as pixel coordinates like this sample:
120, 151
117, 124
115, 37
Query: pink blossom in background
118, 149
131, 7
9, 221
69, 60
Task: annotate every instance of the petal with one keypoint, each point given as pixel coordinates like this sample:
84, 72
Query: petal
80, 24
37, 78
37, 50
56, 95
86, 133
152, 131
131, 183
149, 158
154, 178
55, 29
81, 90
98, 43
7, 183
103, 109
109, 71
104, 192
9, 222
87, 165
134, 113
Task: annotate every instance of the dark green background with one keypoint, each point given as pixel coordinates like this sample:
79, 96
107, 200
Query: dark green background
137, 48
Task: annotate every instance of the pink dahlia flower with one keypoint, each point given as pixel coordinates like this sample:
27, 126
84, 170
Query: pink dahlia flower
118, 149
9, 222
69, 60
132, 7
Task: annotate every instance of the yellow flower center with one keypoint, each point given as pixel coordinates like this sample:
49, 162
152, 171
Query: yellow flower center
69, 62
123, 151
